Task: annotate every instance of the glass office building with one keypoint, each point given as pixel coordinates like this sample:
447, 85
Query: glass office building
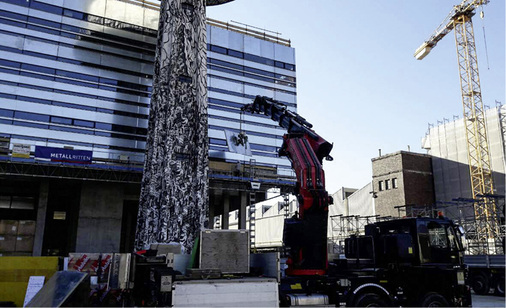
75, 84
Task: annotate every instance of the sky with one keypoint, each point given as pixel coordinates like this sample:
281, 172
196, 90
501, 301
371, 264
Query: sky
357, 80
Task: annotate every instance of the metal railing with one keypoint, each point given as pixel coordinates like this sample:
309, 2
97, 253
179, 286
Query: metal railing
265, 35
245, 29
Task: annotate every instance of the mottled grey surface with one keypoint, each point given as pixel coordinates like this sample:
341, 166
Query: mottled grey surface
174, 195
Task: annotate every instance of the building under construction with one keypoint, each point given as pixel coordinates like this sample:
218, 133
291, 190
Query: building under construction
75, 86
483, 215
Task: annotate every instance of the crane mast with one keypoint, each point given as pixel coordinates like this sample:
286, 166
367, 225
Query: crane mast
460, 20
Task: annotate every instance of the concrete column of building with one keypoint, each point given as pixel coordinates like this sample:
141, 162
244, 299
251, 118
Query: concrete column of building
211, 217
242, 210
41, 218
226, 211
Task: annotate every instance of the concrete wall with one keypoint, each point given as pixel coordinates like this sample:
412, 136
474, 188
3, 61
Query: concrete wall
100, 213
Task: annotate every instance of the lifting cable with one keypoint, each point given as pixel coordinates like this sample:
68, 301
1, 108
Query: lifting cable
482, 14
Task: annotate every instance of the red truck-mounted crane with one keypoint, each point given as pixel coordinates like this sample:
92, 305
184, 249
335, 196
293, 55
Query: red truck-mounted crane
306, 233
402, 262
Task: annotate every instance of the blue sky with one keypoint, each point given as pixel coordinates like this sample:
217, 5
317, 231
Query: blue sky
357, 79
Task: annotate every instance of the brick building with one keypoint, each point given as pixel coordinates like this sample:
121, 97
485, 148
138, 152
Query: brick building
402, 178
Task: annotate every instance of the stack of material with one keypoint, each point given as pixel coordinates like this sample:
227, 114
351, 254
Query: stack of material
16, 237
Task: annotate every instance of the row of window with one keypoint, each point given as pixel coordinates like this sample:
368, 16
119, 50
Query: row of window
84, 16
387, 184
80, 94
245, 83
250, 57
242, 73
140, 30
211, 60
240, 94
16, 114
254, 146
242, 68
69, 142
248, 132
238, 120
89, 80
77, 62
73, 32
236, 106
75, 106
121, 83
90, 127
222, 148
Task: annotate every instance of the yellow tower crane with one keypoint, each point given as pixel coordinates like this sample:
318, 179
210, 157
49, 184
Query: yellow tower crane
460, 20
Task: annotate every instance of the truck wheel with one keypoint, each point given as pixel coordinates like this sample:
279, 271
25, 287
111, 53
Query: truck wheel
480, 284
369, 300
433, 300
499, 286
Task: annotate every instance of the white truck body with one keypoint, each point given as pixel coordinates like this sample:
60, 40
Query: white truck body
243, 292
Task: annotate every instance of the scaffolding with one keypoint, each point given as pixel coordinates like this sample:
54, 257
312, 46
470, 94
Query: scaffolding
462, 211
344, 226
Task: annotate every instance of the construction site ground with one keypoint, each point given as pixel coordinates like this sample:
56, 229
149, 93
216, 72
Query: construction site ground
488, 301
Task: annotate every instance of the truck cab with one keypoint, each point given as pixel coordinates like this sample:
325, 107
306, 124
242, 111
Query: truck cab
408, 262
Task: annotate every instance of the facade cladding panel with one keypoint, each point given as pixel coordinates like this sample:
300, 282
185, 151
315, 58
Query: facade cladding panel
79, 73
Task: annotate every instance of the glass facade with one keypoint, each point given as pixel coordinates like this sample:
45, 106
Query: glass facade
79, 74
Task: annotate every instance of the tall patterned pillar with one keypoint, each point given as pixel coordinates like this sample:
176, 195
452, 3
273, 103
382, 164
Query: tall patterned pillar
174, 199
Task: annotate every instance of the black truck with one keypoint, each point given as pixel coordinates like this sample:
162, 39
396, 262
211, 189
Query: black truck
414, 262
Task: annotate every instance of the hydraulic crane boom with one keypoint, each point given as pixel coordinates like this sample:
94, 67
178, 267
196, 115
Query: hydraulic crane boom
460, 20
306, 235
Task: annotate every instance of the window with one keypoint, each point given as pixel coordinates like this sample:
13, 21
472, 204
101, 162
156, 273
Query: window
380, 186
9, 96
9, 63
23, 203
16, 202
218, 49
36, 68
17, 2
290, 67
44, 22
73, 14
6, 113
235, 53
42, 29
394, 183
8, 71
61, 120
387, 184
104, 126
29, 124
31, 116
435, 243
12, 23
84, 123
46, 7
